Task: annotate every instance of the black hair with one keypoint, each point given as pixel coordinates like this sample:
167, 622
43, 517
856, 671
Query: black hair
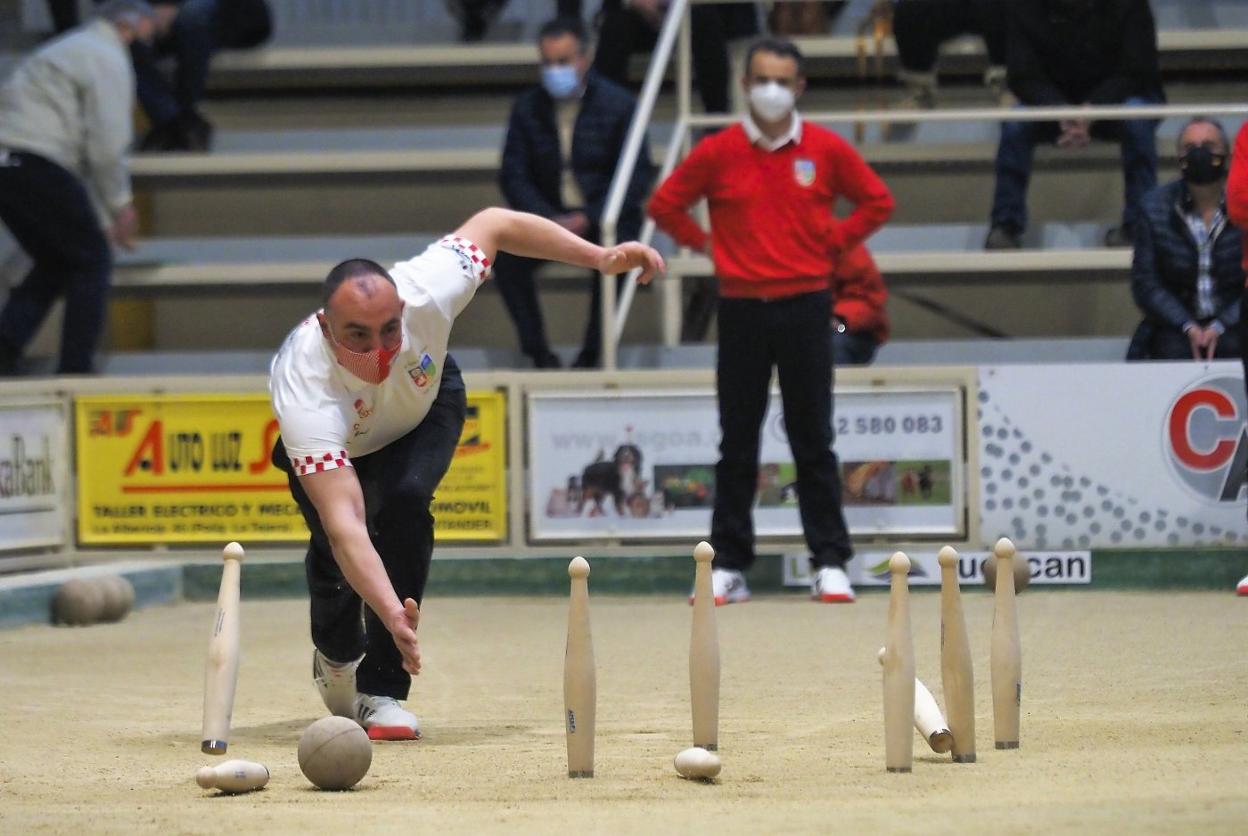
561, 26
776, 46
352, 268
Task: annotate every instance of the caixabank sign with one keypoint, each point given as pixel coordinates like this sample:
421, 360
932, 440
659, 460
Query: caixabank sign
1122, 455
1206, 441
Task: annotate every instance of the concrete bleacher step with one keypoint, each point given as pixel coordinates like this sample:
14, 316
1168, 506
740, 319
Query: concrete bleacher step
919, 253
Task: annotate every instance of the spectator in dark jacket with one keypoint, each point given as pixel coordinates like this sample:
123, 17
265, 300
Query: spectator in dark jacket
1077, 52
1186, 276
564, 139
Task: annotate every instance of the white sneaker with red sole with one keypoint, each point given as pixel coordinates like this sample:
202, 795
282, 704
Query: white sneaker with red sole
1242, 589
831, 586
384, 719
728, 586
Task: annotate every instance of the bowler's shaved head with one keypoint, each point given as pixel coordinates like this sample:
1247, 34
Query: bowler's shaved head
368, 274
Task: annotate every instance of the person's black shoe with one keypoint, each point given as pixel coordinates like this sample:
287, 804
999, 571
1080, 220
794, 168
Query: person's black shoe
196, 131
163, 137
1119, 236
548, 360
1000, 238
586, 360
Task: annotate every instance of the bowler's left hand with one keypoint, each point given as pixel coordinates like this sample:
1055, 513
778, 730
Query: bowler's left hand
629, 255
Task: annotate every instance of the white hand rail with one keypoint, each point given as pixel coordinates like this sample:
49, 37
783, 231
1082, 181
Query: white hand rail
672, 24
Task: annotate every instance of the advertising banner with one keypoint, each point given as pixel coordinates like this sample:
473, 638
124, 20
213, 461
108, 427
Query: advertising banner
1113, 455
195, 468
180, 469
34, 475
871, 568
471, 502
641, 465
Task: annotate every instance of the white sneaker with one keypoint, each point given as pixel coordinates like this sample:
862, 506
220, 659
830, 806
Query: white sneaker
1242, 589
831, 585
728, 586
335, 683
384, 719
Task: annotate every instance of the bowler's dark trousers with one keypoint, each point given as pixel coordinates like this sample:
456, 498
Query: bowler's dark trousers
791, 334
398, 482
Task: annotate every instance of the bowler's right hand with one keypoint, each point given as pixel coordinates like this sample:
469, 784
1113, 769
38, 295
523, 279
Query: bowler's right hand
402, 627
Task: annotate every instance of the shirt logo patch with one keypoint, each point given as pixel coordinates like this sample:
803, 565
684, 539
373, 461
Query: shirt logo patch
423, 373
804, 172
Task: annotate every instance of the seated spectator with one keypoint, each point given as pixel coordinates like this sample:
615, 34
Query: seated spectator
630, 26
65, 125
1077, 52
564, 139
1186, 275
921, 27
859, 317
192, 31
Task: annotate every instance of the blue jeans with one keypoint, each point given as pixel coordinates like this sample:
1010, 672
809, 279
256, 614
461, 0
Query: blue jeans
1017, 148
201, 28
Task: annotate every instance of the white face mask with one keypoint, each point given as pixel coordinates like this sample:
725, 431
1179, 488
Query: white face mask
771, 101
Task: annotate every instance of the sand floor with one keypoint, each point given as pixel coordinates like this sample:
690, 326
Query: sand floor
1135, 719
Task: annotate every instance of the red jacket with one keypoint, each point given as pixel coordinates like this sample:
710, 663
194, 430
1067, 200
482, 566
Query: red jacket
773, 232
859, 296
1237, 187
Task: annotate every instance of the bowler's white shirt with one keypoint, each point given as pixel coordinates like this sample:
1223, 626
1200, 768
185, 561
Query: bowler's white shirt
327, 415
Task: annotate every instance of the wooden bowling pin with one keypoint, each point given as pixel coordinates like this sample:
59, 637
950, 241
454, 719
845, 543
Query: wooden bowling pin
957, 675
704, 653
898, 665
221, 671
233, 776
1006, 654
927, 717
580, 691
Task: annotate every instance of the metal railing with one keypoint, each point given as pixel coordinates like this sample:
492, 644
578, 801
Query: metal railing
676, 24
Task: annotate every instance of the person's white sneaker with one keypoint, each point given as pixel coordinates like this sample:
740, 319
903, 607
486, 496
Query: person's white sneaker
728, 587
384, 719
831, 585
1242, 589
335, 683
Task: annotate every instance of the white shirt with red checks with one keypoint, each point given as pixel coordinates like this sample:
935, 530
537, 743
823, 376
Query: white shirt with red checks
327, 415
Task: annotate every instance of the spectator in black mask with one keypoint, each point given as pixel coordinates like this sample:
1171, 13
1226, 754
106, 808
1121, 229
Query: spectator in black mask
1187, 275
1077, 52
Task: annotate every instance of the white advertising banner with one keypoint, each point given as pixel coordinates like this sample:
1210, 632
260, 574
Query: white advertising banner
1113, 455
871, 568
641, 464
34, 475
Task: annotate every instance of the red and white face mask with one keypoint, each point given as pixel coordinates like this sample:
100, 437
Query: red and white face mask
369, 366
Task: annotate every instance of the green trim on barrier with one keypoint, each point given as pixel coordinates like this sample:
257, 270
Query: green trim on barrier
1157, 570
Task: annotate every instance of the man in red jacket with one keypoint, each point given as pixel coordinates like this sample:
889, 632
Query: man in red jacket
1237, 211
859, 318
772, 181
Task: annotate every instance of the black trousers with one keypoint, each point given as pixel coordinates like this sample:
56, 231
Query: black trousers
50, 214
624, 32
513, 276
398, 482
791, 334
921, 26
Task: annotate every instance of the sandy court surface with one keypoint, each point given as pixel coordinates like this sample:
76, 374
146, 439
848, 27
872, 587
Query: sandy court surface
1134, 707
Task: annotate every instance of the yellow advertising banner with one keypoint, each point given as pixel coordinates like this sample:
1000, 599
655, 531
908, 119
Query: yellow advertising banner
195, 468
471, 502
